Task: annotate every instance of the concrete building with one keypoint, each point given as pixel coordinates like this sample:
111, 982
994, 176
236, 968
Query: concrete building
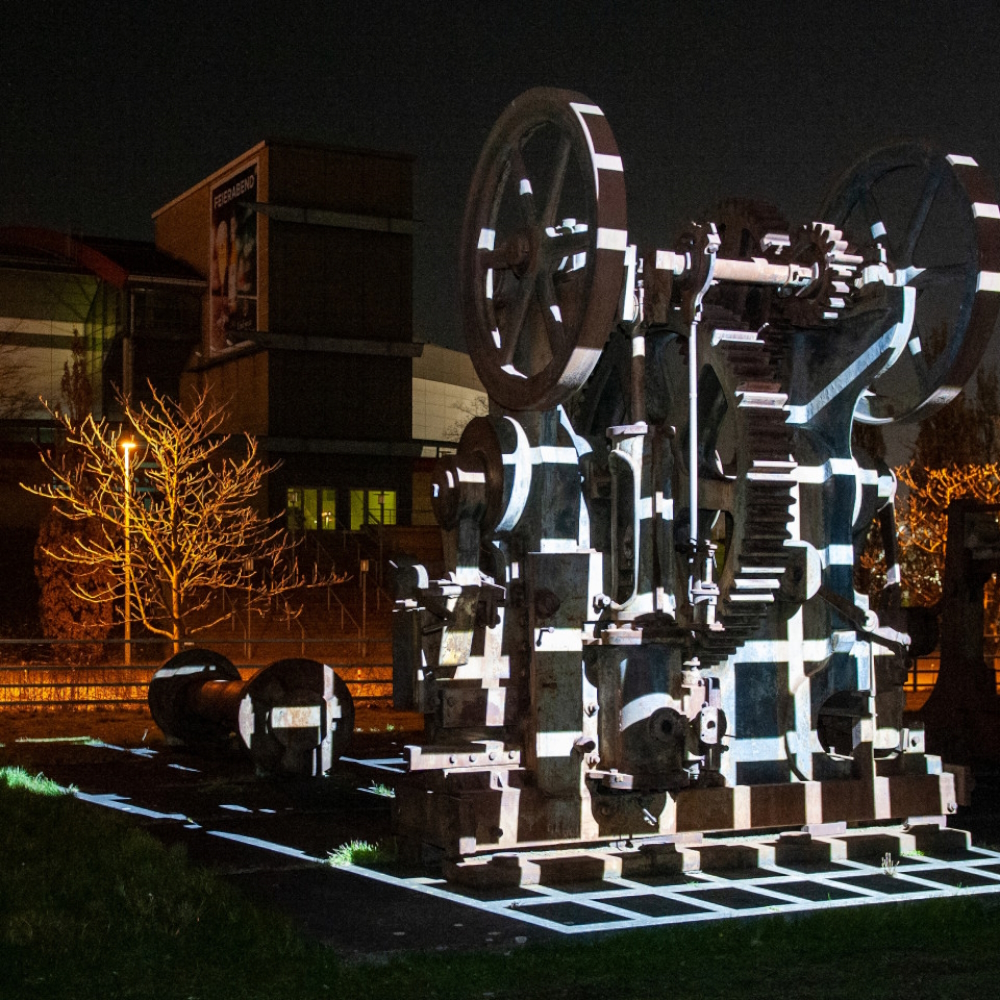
135, 312
282, 283
307, 330
136, 309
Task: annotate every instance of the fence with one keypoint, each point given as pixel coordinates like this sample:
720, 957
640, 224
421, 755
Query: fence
369, 679
152, 652
365, 666
924, 673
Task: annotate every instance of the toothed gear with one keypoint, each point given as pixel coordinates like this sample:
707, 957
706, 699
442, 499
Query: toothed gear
756, 494
748, 229
823, 247
745, 225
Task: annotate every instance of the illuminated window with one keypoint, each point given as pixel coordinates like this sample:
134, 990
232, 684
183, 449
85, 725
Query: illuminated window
328, 510
311, 509
381, 507
372, 507
357, 509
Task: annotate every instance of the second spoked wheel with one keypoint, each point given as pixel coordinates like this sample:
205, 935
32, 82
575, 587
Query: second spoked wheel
934, 219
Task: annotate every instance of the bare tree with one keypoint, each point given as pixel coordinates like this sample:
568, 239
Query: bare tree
77, 392
923, 524
193, 526
467, 409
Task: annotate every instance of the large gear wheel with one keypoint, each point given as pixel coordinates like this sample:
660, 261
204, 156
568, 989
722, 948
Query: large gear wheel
543, 249
931, 222
746, 472
745, 503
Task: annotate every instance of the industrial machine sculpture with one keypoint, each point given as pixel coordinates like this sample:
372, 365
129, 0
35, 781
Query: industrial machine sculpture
294, 717
649, 624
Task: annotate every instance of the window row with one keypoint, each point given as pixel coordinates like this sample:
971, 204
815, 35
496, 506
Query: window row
315, 509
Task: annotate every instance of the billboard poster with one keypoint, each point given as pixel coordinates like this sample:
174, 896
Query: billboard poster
233, 264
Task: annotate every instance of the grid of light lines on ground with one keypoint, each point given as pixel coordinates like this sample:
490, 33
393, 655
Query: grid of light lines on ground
647, 900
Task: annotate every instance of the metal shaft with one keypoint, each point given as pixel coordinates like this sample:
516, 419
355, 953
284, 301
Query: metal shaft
693, 438
294, 717
756, 271
217, 701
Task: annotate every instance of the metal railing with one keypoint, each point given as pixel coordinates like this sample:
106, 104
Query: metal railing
159, 648
33, 685
924, 673
320, 548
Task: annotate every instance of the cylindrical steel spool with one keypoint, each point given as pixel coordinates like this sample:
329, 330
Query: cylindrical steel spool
294, 717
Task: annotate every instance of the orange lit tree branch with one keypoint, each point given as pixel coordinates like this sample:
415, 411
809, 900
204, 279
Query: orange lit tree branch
923, 520
194, 527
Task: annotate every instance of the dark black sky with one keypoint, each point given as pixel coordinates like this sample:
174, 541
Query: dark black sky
108, 110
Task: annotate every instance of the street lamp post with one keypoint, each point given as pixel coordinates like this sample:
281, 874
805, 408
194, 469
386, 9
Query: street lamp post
126, 444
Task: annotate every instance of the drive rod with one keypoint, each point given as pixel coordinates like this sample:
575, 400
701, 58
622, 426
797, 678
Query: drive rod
756, 271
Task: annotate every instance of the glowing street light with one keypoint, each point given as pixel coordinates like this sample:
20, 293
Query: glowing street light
126, 445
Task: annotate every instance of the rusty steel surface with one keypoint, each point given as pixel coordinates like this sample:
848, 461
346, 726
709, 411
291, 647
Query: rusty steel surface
649, 615
294, 717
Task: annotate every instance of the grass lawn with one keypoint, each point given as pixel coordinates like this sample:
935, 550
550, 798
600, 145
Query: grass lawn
93, 907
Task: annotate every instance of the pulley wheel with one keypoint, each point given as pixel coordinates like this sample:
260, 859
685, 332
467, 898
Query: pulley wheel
936, 219
296, 717
543, 249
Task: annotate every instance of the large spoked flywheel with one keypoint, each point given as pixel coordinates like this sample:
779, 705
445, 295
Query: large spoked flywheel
934, 220
543, 246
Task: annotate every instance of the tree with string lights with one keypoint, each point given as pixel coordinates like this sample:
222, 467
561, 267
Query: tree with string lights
956, 456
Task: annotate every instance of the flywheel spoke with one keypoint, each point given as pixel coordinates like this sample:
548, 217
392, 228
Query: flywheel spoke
558, 178
525, 192
555, 326
514, 315
919, 217
567, 244
872, 212
921, 370
946, 274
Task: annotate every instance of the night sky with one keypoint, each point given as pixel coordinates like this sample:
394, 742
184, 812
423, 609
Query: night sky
108, 110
